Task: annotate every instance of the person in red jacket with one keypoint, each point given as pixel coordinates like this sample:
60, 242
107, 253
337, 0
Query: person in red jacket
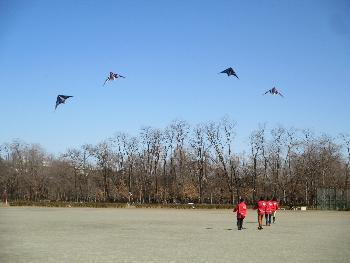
268, 211
241, 210
260, 206
275, 208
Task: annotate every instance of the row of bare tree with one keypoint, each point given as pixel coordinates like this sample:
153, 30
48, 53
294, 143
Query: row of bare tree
181, 164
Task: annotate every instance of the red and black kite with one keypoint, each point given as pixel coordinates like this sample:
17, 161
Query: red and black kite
273, 91
112, 76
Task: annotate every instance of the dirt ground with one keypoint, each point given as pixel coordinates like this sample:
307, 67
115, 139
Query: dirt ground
168, 235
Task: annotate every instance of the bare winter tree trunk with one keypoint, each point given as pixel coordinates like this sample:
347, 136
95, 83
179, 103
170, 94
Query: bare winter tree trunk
220, 137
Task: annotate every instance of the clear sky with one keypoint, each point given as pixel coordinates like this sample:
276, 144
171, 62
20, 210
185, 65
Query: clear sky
170, 52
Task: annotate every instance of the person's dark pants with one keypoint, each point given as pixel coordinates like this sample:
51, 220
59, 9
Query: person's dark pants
268, 219
260, 219
239, 223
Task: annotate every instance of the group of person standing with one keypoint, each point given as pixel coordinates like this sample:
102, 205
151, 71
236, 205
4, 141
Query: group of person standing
265, 207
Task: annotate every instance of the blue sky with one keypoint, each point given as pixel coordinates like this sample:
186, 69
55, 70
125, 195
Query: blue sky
170, 53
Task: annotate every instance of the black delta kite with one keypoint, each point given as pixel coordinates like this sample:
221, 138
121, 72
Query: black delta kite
61, 99
230, 72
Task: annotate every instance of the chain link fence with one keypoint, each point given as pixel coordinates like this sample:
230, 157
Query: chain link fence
333, 199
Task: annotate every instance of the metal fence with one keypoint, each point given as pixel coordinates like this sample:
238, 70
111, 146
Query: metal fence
333, 199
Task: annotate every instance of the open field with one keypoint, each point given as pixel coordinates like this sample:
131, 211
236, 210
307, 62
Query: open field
31, 234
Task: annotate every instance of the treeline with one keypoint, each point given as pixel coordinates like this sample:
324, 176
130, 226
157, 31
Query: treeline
181, 164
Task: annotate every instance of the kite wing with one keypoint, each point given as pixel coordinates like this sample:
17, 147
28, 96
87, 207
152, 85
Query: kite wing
57, 102
269, 91
116, 75
65, 96
227, 71
224, 71
105, 81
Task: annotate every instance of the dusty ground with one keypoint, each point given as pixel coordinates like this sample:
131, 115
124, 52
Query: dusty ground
164, 235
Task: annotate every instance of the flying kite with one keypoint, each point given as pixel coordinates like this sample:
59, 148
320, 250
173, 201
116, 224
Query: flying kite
61, 99
273, 91
112, 76
230, 72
